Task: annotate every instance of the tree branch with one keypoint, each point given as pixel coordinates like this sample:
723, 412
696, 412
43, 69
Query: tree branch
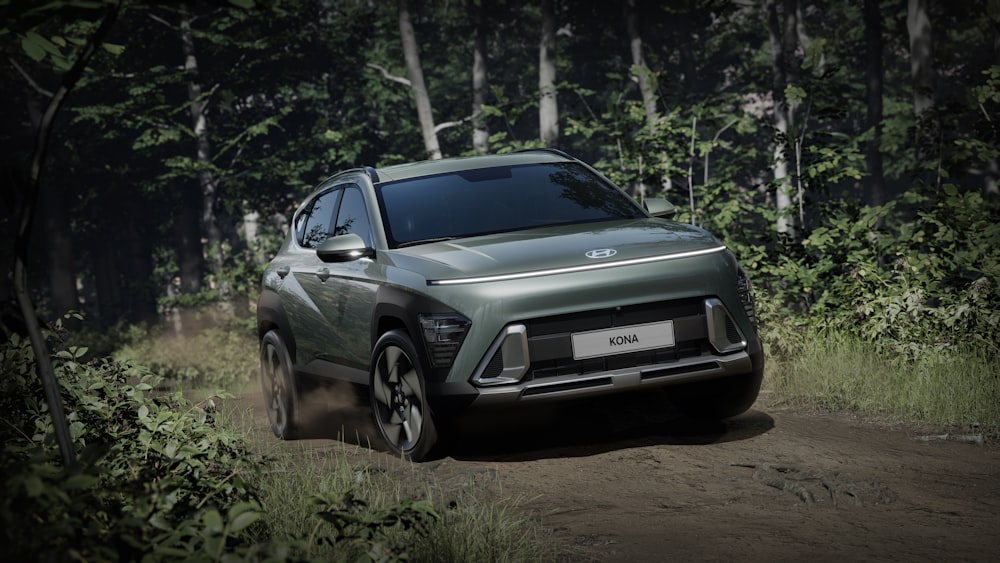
385, 73
43, 362
449, 124
31, 82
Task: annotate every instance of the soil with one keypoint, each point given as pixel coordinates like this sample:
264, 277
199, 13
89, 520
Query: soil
630, 479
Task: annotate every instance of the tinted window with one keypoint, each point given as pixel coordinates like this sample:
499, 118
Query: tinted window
315, 223
353, 216
497, 200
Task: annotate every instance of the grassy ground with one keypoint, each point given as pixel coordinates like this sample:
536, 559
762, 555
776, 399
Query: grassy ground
957, 388
476, 521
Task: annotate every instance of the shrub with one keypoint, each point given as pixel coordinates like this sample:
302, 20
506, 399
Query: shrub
155, 479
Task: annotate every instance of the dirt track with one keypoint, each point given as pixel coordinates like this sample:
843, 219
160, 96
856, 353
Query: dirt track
631, 480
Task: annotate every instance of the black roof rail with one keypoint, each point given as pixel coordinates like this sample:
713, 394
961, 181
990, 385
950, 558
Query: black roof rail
372, 174
548, 150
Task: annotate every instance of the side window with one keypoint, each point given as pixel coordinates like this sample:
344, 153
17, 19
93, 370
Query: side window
353, 216
316, 222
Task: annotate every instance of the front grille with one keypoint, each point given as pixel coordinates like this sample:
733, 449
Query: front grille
732, 333
551, 351
495, 367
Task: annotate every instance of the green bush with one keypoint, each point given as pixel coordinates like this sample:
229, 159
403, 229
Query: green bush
156, 478
153, 473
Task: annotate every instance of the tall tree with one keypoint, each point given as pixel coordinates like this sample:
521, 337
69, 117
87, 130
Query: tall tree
480, 131
548, 103
199, 125
647, 88
873, 90
417, 85
784, 41
918, 25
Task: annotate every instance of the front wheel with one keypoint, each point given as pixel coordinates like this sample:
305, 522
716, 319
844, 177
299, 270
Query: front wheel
278, 386
398, 398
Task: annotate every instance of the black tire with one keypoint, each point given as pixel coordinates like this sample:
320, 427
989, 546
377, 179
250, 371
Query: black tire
717, 398
399, 400
281, 396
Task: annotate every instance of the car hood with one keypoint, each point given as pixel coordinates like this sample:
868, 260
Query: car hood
552, 248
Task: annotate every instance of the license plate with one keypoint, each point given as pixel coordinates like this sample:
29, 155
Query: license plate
621, 340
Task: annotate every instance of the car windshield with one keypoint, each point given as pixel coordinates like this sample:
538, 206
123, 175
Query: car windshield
496, 200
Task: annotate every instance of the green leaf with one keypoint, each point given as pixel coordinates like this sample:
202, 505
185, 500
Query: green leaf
32, 46
213, 521
245, 519
795, 93
113, 48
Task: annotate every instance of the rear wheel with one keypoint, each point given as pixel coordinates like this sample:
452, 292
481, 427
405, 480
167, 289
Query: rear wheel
717, 398
278, 385
398, 398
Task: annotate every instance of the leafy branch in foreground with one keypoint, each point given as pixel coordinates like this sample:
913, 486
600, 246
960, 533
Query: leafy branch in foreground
157, 478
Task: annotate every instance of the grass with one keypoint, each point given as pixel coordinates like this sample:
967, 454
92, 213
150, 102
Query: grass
220, 357
476, 521
952, 388
955, 388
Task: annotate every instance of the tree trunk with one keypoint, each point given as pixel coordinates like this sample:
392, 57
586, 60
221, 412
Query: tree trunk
873, 87
990, 186
206, 178
548, 104
647, 89
480, 133
417, 85
187, 241
137, 272
59, 247
784, 40
107, 281
22, 242
918, 24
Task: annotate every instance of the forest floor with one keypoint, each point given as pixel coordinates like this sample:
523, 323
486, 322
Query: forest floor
628, 479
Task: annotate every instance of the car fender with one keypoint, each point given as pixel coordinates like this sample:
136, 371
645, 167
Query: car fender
271, 315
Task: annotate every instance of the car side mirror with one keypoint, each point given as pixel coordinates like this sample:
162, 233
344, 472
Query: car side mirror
659, 207
344, 248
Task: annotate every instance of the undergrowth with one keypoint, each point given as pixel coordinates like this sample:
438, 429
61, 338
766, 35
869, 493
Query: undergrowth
474, 520
956, 387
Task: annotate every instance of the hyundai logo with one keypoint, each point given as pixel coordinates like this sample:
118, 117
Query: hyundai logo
601, 253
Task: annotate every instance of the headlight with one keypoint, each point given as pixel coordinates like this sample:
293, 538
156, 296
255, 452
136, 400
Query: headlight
443, 335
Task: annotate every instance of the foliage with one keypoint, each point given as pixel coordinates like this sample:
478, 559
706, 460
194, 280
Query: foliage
158, 478
909, 287
472, 519
955, 388
153, 474
205, 356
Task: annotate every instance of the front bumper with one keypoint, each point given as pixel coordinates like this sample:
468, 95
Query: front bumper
620, 380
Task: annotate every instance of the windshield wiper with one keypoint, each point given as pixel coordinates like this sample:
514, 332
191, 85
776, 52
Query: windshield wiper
423, 241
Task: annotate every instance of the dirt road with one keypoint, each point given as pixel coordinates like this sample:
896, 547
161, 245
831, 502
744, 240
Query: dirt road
632, 480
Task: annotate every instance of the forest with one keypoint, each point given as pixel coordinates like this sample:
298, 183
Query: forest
846, 151
152, 154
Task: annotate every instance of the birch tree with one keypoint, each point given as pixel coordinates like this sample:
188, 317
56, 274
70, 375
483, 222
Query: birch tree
918, 25
199, 125
548, 103
784, 41
480, 132
643, 76
416, 78
873, 89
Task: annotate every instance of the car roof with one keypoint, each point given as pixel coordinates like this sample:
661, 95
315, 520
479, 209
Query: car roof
457, 164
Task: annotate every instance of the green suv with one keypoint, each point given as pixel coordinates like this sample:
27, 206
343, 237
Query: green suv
495, 281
